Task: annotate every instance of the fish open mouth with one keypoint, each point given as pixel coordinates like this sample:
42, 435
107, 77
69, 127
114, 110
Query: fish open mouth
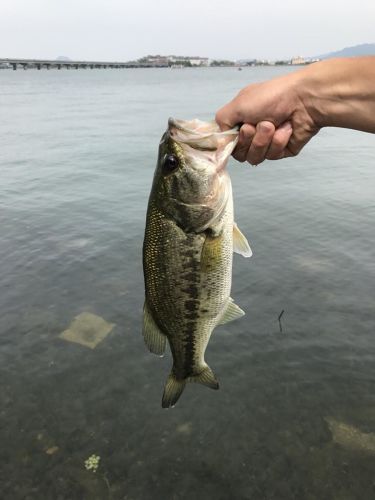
197, 129
197, 136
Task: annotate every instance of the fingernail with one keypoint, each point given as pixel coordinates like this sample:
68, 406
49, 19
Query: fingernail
287, 126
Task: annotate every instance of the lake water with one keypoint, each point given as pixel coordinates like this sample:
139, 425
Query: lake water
295, 414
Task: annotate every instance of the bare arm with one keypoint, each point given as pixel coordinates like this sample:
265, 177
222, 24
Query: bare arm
280, 116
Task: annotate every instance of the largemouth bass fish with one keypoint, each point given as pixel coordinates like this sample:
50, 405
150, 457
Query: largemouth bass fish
187, 252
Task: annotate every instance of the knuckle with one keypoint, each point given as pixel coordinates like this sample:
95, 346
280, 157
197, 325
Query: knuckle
239, 157
294, 148
247, 130
258, 143
255, 157
266, 128
218, 117
255, 161
274, 155
242, 94
278, 142
240, 154
291, 151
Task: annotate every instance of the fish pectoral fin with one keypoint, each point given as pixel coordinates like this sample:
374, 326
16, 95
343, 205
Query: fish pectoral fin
154, 338
240, 243
206, 377
231, 313
172, 391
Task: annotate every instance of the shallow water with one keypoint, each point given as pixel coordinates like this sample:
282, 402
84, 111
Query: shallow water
78, 150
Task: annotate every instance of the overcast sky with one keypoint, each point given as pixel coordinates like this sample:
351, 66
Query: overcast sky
123, 30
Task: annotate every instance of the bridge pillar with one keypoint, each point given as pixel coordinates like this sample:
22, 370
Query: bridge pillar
38, 66
14, 66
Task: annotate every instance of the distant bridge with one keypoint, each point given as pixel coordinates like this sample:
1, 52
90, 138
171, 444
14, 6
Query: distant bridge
58, 64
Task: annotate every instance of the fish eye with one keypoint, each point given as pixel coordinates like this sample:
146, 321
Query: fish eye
170, 163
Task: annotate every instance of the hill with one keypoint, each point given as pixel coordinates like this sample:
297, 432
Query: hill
365, 49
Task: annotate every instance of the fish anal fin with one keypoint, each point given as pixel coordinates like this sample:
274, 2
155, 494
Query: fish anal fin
154, 338
232, 312
172, 391
240, 243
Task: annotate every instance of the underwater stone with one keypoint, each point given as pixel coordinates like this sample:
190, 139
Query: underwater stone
88, 330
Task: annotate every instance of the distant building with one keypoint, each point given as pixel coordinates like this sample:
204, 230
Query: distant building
173, 61
298, 60
199, 61
262, 62
157, 61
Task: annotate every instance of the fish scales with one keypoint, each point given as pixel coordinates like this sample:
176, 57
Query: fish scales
187, 255
188, 277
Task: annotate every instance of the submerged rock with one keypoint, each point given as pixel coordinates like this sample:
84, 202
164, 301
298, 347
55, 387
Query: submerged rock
88, 330
351, 437
52, 450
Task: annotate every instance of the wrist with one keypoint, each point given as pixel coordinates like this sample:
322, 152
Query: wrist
317, 93
340, 92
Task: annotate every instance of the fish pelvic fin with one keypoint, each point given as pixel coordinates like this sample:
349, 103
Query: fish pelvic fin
154, 337
175, 387
172, 391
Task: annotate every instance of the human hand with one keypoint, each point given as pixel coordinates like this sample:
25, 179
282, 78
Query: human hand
275, 119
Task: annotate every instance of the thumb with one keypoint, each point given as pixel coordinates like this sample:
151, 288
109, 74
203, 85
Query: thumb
228, 117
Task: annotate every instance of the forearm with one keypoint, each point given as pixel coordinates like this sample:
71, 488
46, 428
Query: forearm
340, 92
280, 116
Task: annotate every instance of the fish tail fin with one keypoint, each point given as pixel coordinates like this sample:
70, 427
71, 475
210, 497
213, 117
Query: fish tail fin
172, 391
175, 387
206, 377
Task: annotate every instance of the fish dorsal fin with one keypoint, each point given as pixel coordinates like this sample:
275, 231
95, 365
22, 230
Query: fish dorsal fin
240, 243
231, 313
154, 338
